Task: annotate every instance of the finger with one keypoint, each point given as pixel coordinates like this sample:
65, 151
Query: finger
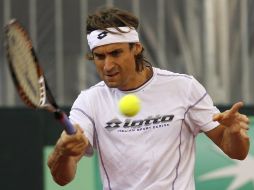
79, 128
69, 140
74, 136
244, 134
241, 126
244, 126
235, 108
81, 146
246, 119
242, 118
218, 117
75, 145
76, 148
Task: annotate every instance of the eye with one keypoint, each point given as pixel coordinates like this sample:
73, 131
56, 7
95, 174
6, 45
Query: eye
116, 53
99, 56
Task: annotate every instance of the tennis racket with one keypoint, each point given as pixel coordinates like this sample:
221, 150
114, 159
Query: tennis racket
27, 74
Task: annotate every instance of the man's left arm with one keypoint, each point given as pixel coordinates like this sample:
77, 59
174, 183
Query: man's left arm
231, 135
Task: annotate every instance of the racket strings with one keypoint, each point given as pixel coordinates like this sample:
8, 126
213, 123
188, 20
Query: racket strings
24, 66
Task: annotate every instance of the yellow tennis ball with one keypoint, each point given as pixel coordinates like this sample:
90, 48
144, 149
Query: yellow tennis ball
129, 105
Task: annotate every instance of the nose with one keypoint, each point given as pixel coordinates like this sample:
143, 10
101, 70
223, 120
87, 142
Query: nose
108, 64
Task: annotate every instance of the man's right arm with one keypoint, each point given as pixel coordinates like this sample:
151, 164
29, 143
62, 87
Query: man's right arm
68, 150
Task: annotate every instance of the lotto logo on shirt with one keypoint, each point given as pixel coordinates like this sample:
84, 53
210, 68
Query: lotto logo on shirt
151, 122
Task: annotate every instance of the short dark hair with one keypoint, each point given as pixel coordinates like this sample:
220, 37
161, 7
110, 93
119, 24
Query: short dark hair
113, 17
110, 17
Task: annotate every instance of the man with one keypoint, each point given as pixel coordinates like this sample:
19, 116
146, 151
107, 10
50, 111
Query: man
154, 149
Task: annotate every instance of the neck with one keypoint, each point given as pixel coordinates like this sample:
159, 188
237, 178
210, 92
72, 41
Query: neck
148, 73
143, 77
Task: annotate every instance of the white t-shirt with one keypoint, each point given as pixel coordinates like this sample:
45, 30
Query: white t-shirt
154, 149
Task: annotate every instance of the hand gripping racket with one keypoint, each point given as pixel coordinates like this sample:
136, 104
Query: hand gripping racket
28, 75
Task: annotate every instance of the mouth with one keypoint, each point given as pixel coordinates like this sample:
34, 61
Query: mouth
111, 75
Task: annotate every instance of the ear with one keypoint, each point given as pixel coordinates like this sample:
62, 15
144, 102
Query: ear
137, 48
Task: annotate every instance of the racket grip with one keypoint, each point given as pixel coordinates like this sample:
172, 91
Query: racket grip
62, 117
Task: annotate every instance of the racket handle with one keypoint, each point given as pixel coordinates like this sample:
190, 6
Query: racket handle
62, 117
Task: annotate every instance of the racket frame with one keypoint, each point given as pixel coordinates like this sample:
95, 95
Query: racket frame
47, 100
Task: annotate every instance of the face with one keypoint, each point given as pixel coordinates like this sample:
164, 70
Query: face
115, 64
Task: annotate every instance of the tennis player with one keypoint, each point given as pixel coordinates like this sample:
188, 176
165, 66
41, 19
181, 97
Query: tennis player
156, 148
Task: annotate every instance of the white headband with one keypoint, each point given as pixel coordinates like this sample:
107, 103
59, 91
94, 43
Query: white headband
101, 37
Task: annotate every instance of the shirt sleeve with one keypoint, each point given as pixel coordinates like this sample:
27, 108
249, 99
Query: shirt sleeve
81, 114
201, 109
